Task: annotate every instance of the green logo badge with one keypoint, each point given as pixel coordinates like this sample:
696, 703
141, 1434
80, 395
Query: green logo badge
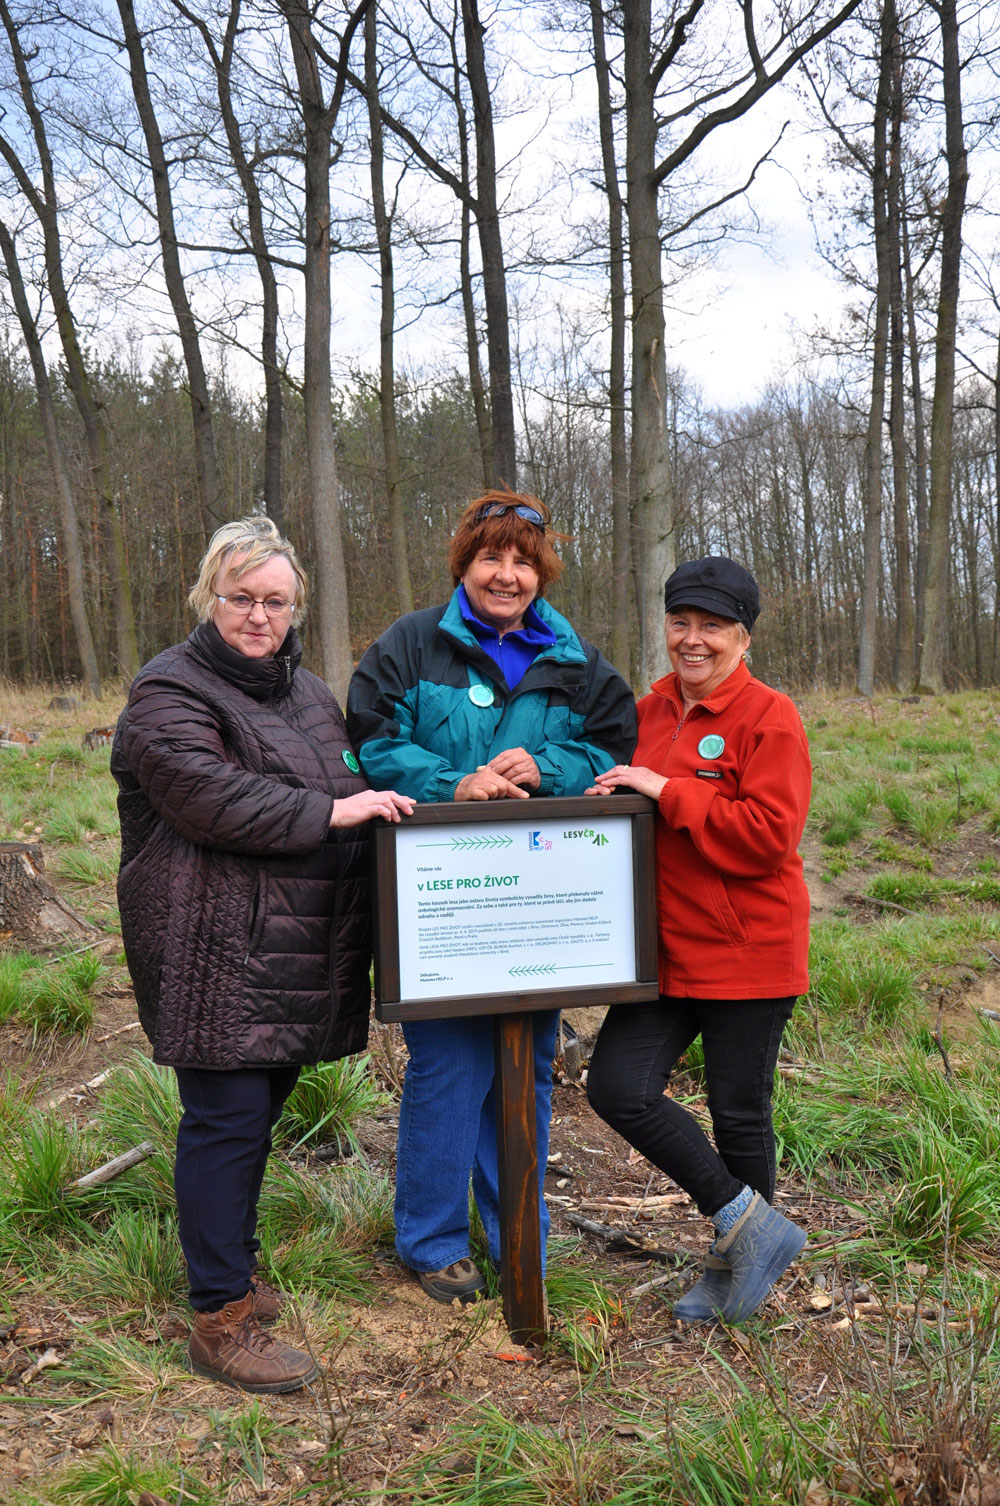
711, 746
481, 695
351, 761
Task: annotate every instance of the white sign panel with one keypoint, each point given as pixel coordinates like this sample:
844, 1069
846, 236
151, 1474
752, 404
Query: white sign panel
496, 907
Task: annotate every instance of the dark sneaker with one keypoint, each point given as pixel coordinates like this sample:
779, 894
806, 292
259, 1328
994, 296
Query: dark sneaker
268, 1302
461, 1280
230, 1346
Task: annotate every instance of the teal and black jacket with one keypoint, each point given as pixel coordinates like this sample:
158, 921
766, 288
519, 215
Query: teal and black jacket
427, 705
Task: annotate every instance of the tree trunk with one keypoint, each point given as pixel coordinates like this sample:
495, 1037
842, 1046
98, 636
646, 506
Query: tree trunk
32, 916
931, 676
222, 63
868, 623
919, 429
652, 501
904, 664
212, 509
328, 549
491, 252
621, 519
45, 205
71, 545
387, 319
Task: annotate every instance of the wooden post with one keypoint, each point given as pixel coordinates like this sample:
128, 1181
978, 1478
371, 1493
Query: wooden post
517, 1154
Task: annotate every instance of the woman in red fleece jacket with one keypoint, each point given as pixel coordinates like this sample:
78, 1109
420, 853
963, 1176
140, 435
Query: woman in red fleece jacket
726, 759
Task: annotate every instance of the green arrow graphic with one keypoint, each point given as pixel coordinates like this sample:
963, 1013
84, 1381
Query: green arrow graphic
538, 968
463, 844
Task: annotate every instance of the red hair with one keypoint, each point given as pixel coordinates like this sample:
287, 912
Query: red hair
506, 530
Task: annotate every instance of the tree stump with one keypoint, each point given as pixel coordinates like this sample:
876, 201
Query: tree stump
32, 916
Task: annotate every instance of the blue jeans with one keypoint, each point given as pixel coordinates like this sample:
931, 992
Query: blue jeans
448, 1129
633, 1058
223, 1142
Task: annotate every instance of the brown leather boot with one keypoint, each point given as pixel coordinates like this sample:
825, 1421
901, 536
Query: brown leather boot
230, 1346
268, 1302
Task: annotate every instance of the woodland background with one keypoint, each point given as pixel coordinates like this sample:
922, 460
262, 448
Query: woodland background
192, 195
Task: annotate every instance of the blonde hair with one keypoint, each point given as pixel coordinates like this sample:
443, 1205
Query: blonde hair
243, 546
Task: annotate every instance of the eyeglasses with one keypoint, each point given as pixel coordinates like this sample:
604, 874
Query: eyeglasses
498, 509
241, 605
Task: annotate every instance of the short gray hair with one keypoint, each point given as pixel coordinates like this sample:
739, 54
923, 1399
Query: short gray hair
250, 542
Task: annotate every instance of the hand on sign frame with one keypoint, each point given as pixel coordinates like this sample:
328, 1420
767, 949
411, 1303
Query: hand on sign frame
486, 784
367, 804
517, 765
629, 777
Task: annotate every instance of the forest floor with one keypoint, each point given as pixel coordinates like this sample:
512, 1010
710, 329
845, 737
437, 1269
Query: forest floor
405, 1377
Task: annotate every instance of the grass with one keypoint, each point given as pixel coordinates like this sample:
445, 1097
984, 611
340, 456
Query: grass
326, 1103
897, 1161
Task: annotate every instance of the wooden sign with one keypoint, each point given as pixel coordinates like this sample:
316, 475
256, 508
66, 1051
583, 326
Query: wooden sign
494, 907
499, 908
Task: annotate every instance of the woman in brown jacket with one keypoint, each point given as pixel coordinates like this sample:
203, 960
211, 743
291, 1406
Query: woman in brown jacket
243, 893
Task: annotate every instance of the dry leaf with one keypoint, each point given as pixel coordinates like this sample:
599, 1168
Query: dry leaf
816, 1494
819, 1301
89, 1435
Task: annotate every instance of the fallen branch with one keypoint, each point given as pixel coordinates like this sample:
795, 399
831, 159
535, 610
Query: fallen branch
114, 1167
122, 1030
44, 1361
648, 1286
635, 1204
621, 1242
80, 1090
884, 904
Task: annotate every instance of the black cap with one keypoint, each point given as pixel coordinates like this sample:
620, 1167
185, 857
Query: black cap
715, 584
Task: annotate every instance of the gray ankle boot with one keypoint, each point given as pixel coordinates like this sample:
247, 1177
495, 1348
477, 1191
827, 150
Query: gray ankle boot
759, 1247
706, 1299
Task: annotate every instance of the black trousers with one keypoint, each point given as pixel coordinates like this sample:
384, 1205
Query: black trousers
223, 1142
633, 1058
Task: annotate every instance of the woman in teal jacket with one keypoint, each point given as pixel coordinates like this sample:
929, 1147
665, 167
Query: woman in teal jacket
491, 696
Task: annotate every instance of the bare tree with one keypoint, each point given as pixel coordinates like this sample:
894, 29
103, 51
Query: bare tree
212, 508
623, 596
246, 161
719, 96
387, 325
931, 670
71, 545
41, 195
884, 252
319, 116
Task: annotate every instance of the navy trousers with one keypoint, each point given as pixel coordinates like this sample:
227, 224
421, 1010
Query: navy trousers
223, 1142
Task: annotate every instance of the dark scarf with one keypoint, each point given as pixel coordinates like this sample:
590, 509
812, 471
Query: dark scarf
261, 679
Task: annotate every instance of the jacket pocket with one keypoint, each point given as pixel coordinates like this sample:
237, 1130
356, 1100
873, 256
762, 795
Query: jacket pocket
730, 916
258, 914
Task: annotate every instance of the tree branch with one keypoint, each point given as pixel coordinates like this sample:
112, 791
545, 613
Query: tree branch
757, 90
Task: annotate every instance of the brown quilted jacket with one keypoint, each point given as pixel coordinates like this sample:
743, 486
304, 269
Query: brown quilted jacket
246, 920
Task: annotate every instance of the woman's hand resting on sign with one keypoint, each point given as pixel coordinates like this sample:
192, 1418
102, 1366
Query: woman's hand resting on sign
624, 776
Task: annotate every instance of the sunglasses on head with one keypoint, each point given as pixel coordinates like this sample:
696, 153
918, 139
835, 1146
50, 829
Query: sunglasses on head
499, 509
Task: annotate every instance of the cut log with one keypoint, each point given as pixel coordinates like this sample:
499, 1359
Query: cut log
32, 916
99, 737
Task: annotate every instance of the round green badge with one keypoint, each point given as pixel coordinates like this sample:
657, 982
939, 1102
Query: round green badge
351, 761
481, 695
711, 746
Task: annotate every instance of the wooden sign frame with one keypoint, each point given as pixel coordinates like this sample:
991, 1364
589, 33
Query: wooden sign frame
644, 987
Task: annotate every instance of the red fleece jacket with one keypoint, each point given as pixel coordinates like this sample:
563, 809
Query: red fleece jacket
732, 903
